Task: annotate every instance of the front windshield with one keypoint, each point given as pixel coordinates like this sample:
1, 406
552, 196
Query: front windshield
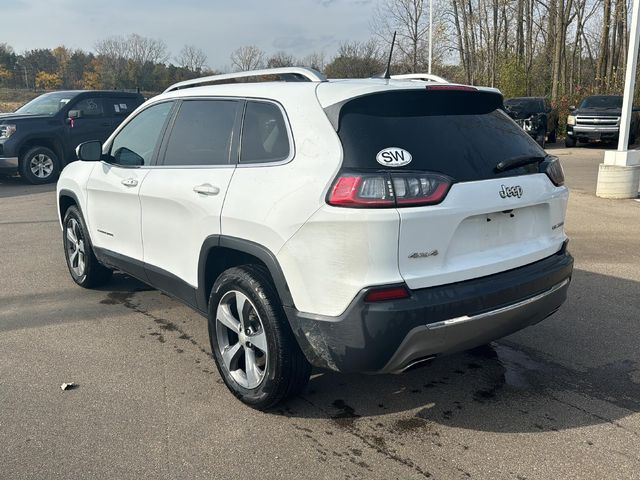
47, 104
602, 102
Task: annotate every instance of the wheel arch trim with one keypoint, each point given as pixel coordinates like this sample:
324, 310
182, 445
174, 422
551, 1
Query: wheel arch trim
64, 192
248, 247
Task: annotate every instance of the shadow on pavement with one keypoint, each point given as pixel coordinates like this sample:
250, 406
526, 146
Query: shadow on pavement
503, 387
15, 187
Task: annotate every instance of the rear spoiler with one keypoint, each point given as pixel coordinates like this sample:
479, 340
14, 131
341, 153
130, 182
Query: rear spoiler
435, 99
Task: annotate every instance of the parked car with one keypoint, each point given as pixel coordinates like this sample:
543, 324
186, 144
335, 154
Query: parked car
344, 224
597, 118
40, 138
535, 116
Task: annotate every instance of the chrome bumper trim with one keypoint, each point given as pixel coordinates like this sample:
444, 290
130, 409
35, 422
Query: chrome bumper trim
596, 129
508, 308
9, 162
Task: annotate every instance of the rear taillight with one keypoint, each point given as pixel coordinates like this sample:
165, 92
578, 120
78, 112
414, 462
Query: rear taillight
388, 189
351, 190
553, 168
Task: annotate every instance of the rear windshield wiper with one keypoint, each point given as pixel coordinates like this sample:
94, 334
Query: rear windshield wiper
520, 161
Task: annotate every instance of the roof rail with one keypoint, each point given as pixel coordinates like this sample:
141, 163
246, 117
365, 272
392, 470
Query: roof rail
287, 74
426, 77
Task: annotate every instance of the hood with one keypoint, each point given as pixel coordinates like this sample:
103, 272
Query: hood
598, 112
12, 117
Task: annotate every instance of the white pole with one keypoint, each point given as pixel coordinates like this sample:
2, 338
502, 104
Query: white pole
630, 79
431, 33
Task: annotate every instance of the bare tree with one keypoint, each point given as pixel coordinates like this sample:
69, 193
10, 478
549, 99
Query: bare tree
141, 50
246, 58
315, 60
133, 57
192, 58
356, 60
112, 55
281, 59
410, 19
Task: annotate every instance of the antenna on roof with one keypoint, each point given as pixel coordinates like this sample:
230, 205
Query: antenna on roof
387, 72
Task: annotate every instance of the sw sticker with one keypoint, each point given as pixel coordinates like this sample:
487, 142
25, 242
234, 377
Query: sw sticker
393, 157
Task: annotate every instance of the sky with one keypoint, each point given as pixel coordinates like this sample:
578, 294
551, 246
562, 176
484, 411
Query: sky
218, 27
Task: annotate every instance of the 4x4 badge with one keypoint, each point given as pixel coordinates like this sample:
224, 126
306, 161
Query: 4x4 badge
515, 191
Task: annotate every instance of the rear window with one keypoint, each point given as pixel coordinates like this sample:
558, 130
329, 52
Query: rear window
460, 134
264, 134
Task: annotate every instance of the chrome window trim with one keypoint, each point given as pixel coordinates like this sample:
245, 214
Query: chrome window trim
235, 164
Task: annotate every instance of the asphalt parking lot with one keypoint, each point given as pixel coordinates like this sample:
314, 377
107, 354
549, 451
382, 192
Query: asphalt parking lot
560, 400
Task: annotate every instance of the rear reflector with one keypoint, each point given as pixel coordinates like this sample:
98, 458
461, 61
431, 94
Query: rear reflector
388, 189
387, 293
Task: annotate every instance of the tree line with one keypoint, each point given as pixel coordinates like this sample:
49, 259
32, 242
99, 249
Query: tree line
562, 49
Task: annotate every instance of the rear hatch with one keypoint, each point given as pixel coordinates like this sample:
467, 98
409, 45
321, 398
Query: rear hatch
482, 219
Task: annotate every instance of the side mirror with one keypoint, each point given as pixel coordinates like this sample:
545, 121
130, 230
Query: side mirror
572, 107
89, 151
75, 114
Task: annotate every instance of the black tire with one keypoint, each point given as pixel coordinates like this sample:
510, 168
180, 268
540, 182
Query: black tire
540, 139
285, 371
553, 136
39, 165
570, 142
93, 274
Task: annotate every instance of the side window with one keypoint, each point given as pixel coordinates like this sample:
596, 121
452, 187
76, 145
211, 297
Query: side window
120, 107
90, 107
135, 143
264, 134
202, 133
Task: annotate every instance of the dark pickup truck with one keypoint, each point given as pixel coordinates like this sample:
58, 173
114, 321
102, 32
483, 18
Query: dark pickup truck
535, 116
598, 118
40, 138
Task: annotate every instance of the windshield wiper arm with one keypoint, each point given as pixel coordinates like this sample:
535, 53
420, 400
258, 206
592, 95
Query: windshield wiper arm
521, 161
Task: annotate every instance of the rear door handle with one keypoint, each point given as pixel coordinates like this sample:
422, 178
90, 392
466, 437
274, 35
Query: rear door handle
129, 182
206, 189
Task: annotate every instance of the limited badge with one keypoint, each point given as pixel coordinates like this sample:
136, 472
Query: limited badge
393, 157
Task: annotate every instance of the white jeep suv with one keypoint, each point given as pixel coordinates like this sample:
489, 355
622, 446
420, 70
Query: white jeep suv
354, 225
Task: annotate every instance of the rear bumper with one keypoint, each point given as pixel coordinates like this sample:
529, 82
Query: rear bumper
388, 337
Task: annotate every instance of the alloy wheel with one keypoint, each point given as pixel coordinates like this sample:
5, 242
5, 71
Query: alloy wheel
75, 248
242, 341
41, 165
